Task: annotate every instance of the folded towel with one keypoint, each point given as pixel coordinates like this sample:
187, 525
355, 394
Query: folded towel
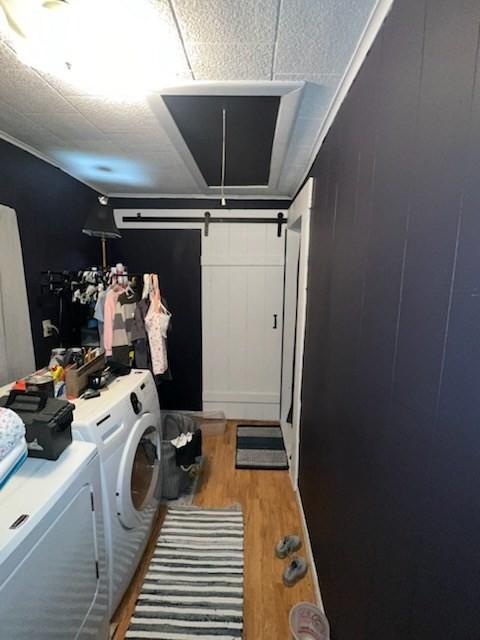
12, 430
13, 461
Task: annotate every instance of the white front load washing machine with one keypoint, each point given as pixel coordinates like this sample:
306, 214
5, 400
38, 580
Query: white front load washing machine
124, 423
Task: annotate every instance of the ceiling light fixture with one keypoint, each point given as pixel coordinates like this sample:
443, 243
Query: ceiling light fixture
116, 48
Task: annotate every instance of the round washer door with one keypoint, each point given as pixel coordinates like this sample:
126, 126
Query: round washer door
138, 472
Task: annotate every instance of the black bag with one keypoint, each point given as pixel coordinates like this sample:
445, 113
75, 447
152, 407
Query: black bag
186, 456
48, 421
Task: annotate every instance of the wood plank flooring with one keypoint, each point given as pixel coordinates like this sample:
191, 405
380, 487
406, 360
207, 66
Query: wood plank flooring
270, 510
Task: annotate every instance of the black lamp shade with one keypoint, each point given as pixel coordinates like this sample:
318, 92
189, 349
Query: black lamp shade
101, 224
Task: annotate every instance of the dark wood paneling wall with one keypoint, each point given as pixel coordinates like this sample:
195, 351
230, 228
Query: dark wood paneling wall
51, 209
390, 448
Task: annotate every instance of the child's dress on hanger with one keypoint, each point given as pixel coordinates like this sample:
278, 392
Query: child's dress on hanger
156, 323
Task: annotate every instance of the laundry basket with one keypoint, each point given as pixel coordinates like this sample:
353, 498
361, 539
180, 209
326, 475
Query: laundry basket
174, 479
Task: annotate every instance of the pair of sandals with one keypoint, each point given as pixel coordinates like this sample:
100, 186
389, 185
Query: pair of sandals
297, 568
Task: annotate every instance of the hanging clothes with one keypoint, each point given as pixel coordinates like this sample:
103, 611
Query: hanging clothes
156, 323
115, 335
128, 301
98, 314
139, 335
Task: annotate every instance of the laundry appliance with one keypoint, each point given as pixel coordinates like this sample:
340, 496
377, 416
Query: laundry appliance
124, 422
53, 572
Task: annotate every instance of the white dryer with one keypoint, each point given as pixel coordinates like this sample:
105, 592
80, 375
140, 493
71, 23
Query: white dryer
124, 423
53, 573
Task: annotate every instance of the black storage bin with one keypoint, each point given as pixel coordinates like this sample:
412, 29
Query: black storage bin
48, 422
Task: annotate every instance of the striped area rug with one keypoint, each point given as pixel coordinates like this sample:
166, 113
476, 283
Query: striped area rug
193, 589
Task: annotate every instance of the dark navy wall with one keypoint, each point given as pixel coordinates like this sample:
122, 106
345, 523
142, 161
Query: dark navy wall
51, 209
390, 437
175, 255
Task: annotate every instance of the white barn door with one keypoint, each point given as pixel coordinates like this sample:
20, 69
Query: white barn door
242, 310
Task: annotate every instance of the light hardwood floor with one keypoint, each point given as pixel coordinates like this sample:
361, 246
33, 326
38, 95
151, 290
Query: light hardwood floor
270, 511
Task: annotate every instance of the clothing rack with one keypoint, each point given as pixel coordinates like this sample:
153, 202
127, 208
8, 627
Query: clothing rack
82, 294
208, 220
57, 278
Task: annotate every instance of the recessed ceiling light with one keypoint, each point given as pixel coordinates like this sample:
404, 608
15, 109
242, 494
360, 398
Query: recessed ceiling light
115, 48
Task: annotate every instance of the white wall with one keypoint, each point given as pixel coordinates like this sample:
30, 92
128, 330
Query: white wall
292, 255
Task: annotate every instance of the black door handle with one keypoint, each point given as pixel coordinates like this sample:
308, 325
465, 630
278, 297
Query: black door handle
274, 320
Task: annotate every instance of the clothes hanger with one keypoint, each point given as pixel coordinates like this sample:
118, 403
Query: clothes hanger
146, 286
129, 290
161, 307
156, 297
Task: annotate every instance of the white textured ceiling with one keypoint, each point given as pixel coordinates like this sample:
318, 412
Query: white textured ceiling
128, 147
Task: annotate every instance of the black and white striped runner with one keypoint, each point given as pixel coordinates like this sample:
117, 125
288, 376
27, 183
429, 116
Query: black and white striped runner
193, 589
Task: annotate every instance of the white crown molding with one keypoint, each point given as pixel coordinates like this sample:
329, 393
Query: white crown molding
369, 33
25, 147
41, 156
197, 196
234, 88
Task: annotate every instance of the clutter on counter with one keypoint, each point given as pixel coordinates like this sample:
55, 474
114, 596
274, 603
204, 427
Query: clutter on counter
47, 420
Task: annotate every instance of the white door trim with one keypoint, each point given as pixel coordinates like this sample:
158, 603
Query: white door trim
299, 214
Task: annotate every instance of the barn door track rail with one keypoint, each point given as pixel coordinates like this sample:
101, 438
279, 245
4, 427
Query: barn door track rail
208, 219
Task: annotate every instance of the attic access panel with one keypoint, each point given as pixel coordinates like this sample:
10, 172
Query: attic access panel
251, 122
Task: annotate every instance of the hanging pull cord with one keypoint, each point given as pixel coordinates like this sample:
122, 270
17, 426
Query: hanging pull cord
224, 147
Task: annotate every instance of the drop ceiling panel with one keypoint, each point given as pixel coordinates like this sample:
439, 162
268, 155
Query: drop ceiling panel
235, 61
228, 40
23, 128
147, 140
23, 89
101, 146
67, 126
130, 147
112, 116
319, 37
227, 20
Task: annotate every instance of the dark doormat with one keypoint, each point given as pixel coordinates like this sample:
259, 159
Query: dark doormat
260, 447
